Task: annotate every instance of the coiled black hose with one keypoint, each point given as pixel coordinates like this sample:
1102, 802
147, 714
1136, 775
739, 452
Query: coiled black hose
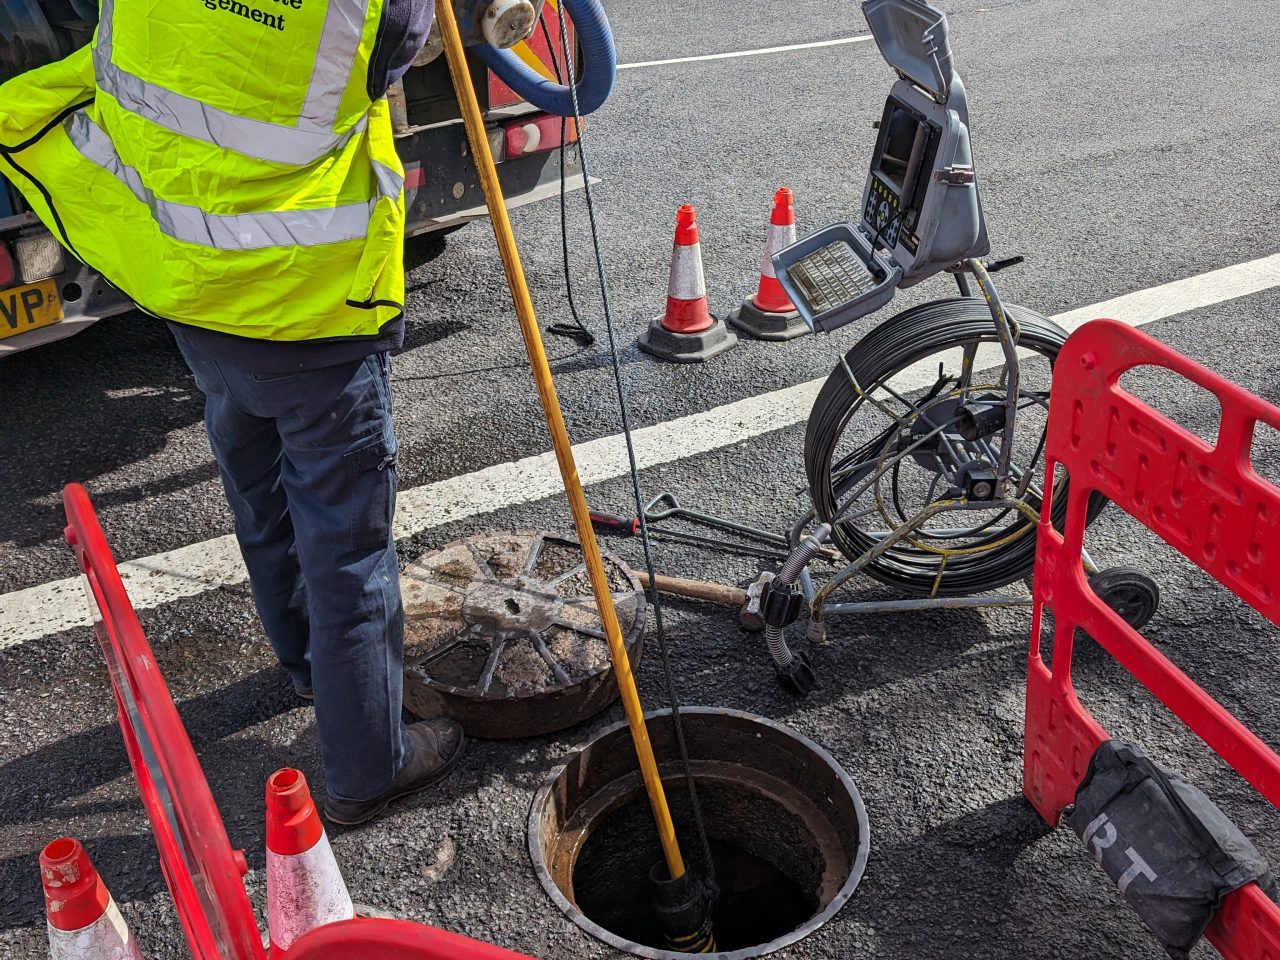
897, 343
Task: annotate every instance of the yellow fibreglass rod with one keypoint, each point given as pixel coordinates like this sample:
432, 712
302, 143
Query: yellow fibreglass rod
559, 436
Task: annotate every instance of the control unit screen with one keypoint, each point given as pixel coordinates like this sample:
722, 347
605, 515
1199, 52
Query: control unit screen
899, 146
902, 166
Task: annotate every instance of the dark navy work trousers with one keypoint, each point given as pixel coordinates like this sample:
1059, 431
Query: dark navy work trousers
308, 465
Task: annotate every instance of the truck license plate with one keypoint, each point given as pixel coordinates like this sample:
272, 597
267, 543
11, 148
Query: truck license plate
29, 307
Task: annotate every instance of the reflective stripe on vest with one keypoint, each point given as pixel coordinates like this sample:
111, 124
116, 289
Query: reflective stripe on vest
312, 136
242, 231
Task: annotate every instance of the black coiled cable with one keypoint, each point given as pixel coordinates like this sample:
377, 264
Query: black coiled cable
897, 343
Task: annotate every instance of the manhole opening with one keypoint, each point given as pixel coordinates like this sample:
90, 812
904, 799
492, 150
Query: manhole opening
767, 867
788, 832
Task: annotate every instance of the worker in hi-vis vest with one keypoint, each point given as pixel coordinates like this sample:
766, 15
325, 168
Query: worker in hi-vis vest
229, 165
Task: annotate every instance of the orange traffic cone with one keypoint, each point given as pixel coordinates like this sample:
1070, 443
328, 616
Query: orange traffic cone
770, 314
84, 922
305, 889
687, 332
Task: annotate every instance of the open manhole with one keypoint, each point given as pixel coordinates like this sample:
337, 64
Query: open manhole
502, 634
787, 830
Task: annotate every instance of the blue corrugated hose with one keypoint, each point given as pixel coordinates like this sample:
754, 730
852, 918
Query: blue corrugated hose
599, 58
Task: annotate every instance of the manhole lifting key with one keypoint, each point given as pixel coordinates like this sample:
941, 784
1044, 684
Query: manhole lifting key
559, 436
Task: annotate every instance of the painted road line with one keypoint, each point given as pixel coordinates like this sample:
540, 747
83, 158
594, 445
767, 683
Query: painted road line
192, 570
1190, 294
213, 564
763, 51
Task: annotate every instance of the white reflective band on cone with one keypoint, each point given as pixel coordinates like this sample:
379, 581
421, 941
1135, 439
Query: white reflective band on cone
107, 938
778, 238
686, 282
304, 891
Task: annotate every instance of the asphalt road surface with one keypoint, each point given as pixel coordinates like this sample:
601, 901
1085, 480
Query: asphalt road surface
1121, 147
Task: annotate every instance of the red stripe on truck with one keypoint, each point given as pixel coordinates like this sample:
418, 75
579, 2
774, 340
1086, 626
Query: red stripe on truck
500, 95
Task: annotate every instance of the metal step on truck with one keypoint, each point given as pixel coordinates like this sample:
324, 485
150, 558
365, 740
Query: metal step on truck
46, 294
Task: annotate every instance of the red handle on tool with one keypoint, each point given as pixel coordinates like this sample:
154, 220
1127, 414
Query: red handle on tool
611, 521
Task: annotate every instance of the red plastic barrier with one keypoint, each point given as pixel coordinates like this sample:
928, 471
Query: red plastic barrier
202, 871
1207, 503
362, 939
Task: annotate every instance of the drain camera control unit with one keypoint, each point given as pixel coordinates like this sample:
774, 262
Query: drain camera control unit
921, 213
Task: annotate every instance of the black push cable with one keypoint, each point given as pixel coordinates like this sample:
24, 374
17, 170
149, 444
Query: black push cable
919, 332
678, 727
577, 330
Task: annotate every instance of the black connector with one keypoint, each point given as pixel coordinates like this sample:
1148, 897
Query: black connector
781, 606
981, 417
797, 678
978, 480
995, 266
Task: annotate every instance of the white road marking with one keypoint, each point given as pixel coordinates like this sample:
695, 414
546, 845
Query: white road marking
748, 53
1182, 296
188, 571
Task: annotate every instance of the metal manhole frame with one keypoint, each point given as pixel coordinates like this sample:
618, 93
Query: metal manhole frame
858, 868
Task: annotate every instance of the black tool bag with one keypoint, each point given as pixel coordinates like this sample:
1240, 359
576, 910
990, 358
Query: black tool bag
1173, 854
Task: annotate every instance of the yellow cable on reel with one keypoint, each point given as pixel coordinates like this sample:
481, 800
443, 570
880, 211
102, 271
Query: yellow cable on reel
519, 287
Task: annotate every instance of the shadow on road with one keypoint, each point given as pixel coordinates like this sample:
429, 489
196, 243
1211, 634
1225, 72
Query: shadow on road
81, 408
36, 806
862, 653
934, 892
93, 757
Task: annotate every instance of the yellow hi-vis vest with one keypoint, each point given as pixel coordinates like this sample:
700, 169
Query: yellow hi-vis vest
220, 161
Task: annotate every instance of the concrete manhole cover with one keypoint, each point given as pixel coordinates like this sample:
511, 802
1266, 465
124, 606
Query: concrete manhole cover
502, 633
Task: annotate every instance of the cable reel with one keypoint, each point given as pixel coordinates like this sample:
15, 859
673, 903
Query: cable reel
877, 453
924, 451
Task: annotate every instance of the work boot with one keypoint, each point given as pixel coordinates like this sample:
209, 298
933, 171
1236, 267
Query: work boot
432, 749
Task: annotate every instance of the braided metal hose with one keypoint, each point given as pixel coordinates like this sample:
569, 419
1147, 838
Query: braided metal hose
792, 567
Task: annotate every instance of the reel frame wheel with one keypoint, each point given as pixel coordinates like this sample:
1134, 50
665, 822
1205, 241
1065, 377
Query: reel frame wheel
1130, 592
